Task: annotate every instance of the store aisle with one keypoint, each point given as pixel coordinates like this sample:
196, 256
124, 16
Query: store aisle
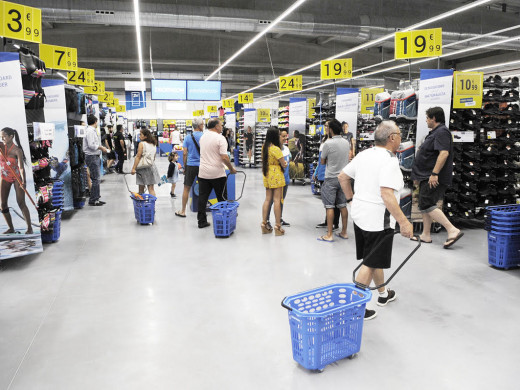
115, 305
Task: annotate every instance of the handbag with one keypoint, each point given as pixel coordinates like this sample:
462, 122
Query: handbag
147, 159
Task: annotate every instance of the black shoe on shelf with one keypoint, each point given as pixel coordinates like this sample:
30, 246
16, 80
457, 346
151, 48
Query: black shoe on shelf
383, 301
369, 314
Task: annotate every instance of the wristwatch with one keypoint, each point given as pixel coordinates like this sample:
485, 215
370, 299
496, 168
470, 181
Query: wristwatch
435, 174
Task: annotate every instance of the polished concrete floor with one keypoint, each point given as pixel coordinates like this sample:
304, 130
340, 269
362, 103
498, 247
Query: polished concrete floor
115, 305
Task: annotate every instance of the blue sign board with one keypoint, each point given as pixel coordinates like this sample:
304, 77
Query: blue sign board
204, 90
168, 89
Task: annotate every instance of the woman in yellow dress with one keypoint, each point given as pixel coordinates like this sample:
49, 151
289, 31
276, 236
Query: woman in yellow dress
273, 165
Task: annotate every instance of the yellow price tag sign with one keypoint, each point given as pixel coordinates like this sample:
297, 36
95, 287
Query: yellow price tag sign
291, 83
467, 89
368, 99
189, 122
59, 57
228, 103
198, 113
153, 122
107, 97
418, 43
120, 108
312, 129
311, 103
97, 89
263, 115
212, 109
244, 98
20, 22
81, 76
336, 69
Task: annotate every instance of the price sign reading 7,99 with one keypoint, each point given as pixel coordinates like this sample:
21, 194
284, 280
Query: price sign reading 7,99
418, 44
59, 57
20, 22
336, 69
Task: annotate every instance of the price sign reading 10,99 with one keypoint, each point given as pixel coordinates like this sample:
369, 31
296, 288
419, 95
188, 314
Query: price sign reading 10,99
467, 89
418, 43
20, 22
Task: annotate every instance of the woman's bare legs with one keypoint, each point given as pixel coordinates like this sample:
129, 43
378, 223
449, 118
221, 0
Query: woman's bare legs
20, 198
5, 188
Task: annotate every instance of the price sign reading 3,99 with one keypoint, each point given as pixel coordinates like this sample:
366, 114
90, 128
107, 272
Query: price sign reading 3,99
336, 69
418, 43
20, 22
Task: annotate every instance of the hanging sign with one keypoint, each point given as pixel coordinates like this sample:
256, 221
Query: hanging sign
418, 43
20, 22
81, 76
263, 115
120, 108
107, 97
113, 103
467, 89
189, 122
368, 99
97, 89
291, 83
153, 122
59, 57
244, 98
198, 113
228, 103
212, 109
336, 69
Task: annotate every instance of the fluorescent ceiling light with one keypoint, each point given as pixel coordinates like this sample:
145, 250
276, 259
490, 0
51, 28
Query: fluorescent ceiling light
138, 35
61, 75
502, 64
383, 38
258, 36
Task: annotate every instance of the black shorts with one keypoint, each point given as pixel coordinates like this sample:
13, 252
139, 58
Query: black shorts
249, 147
367, 241
428, 197
190, 173
111, 155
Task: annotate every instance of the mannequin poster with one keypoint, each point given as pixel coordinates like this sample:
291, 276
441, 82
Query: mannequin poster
19, 224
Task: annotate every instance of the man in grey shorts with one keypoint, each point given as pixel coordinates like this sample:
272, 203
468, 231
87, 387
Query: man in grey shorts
334, 155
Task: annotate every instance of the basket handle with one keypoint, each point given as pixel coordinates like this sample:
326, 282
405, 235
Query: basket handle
361, 285
243, 185
284, 305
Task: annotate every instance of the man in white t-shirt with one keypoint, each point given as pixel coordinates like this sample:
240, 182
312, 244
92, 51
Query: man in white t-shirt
212, 175
375, 207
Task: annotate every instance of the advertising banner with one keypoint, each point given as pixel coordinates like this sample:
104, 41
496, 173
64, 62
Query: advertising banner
435, 86
347, 106
19, 225
297, 115
56, 113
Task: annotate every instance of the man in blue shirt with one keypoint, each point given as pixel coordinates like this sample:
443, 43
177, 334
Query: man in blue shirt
191, 159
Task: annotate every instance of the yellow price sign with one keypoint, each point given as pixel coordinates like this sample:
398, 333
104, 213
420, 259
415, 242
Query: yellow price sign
59, 57
97, 89
291, 83
244, 98
120, 108
169, 122
81, 76
198, 113
336, 69
107, 97
228, 103
20, 22
189, 122
263, 115
418, 43
311, 103
368, 99
312, 130
153, 122
467, 89
212, 109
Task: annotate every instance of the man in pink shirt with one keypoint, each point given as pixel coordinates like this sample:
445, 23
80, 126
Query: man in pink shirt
212, 174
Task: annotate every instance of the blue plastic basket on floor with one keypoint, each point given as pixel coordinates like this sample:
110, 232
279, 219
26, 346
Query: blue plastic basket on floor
224, 218
326, 323
53, 235
144, 209
503, 249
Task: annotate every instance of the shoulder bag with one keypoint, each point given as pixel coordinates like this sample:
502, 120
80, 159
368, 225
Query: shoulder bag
147, 158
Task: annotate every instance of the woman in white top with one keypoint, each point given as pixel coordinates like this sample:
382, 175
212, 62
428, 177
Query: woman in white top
146, 176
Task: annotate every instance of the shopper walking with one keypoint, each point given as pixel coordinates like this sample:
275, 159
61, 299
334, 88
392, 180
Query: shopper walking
147, 174
173, 172
273, 164
175, 138
111, 155
375, 207
191, 160
120, 148
249, 143
432, 172
92, 148
284, 135
212, 175
335, 155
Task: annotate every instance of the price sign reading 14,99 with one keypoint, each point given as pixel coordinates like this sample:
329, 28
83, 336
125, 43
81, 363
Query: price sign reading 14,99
418, 43
336, 69
245, 98
59, 57
20, 22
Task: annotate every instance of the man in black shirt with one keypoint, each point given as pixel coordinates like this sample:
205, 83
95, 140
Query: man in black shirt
432, 170
111, 156
120, 148
249, 143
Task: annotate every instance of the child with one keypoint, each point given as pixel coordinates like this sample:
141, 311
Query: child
173, 172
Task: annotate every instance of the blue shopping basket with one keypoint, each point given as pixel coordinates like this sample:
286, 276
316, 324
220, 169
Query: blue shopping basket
144, 209
225, 213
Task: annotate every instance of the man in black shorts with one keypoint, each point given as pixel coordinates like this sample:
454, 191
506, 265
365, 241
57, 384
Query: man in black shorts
432, 171
249, 143
375, 207
120, 148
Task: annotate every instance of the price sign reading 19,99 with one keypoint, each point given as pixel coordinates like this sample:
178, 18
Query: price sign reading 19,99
59, 57
418, 43
20, 22
336, 69
467, 89
244, 98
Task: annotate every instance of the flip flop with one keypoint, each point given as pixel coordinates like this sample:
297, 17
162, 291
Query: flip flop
322, 238
340, 236
426, 242
453, 240
179, 215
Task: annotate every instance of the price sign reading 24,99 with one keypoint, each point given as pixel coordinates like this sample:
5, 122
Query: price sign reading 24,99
20, 22
81, 76
291, 83
336, 69
418, 44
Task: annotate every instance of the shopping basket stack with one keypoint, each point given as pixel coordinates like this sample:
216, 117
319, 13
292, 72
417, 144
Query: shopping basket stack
225, 213
503, 226
326, 323
144, 208
52, 234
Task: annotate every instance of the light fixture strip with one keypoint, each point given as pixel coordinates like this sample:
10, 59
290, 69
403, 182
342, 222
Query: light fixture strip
492, 66
138, 36
272, 25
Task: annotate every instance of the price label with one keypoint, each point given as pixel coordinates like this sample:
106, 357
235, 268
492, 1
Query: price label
120, 108
81, 76
491, 135
312, 129
311, 103
20, 22
212, 109
368, 99
228, 103
153, 122
467, 89
107, 97
198, 113
244, 98
291, 83
336, 69
263, 115
97, 89
189, 122
59, 57
418, 43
